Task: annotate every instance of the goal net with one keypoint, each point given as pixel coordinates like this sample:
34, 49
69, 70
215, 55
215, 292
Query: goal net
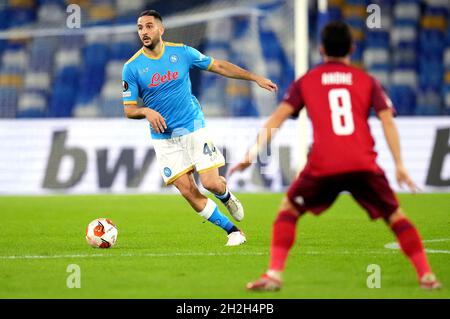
53, 65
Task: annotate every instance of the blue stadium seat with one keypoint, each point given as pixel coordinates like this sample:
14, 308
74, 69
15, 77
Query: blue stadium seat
429, 102
122, 50
404, 99
432, 40
8, 102
62, 101
377, 39
21, 16
95, 54
405, 57
431, 73
4, 18
334, 13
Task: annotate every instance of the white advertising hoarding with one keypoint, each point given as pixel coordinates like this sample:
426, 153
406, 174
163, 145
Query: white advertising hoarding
81, 156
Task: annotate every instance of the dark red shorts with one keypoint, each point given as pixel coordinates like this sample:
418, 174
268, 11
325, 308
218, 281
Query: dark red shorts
370, 189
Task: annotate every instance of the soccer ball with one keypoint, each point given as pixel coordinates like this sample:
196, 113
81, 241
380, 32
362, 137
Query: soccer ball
101, 233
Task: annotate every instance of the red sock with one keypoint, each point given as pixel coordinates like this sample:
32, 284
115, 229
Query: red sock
411, 245
283, 237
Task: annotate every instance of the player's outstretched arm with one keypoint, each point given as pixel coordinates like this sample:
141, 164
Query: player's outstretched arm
265, 135
233, 71
132, 111
393, 140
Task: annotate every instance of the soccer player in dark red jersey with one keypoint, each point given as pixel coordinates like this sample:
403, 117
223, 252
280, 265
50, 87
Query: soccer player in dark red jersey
339, 99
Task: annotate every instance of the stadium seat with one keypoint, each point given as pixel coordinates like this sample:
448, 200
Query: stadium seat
377, 39
429, 102
432, 40
52, 14
110, 98
19, 17
11, 79
404, 77
38, 81
95, 55
376, 56
431, 74
123, 7
62, 101
404, 99
87, 110
382, 73
42, 54
405, 57
67, 58
401, 34
4, 18
101, 12
8, 101
31, 105
409, 10
15, 58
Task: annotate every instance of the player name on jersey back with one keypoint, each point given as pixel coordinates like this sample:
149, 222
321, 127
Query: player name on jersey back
333, 78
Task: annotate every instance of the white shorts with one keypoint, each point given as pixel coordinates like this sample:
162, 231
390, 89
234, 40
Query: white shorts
179, 155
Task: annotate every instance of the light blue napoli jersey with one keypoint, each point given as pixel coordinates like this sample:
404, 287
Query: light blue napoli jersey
164, 85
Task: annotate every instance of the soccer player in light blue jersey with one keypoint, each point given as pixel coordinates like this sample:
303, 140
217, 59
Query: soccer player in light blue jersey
159, 74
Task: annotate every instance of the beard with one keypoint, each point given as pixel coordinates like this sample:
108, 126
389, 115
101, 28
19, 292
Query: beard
152, 45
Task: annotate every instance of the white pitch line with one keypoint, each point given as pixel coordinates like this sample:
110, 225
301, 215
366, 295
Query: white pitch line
395, 245
129, 255
198, 254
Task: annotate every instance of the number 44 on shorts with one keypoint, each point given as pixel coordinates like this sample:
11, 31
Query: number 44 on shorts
209, 150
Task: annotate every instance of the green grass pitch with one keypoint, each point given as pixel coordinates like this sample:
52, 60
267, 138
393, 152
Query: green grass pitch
165, 251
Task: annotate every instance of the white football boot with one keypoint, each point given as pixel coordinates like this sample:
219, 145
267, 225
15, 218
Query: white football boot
236, 238
235, 208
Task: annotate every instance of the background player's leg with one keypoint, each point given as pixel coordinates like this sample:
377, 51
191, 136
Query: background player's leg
216, 184
305, 194
411, 245
283, 238
204, 206
379, 200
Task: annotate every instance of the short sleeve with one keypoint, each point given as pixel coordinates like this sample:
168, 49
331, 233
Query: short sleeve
293, 96
380, 100
130, 89
198, 59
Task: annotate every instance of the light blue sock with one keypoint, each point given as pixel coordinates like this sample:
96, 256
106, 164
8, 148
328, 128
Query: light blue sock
212, 213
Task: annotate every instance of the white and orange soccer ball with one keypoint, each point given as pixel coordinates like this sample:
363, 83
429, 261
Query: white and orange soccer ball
101, 233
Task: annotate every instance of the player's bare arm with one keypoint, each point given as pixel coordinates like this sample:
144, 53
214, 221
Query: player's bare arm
132, 111
233, 71
393, 140
265, 135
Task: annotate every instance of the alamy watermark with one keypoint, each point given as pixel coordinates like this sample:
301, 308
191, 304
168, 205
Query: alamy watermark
373, 20
74, 279
73, 20
374, 279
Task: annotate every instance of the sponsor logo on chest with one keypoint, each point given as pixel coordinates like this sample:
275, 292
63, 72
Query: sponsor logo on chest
158, 79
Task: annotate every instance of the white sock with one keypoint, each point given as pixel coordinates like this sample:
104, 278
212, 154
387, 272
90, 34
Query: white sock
208, 210
275, 274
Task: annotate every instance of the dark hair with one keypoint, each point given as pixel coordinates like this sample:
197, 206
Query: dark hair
151, 13
336, 39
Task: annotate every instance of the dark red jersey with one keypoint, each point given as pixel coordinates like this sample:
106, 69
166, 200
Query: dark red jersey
339, 98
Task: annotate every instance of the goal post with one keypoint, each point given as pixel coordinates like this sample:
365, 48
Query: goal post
301, 66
